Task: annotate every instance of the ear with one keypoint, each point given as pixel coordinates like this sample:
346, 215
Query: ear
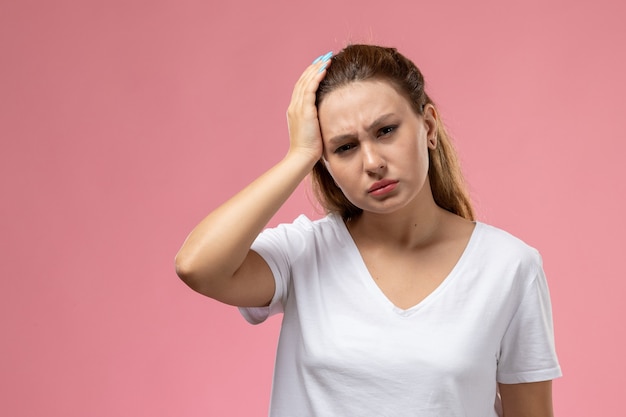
431, 120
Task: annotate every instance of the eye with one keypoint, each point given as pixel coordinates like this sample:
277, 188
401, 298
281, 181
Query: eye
344, 148
387, 130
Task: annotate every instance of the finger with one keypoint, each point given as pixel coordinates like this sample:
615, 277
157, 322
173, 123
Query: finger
312, 71
323, 59
311, 77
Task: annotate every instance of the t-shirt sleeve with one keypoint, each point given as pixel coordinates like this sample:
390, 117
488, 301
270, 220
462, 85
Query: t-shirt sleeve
276, 247
527, 351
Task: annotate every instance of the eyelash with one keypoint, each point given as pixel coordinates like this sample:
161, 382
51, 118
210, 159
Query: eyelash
344, 148
387, 130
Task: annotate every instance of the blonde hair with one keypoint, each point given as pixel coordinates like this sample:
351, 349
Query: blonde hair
366, 62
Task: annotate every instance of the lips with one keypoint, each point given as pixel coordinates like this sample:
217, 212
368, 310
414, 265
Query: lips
382, 187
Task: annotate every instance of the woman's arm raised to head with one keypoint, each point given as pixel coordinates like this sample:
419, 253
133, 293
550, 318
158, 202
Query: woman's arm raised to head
216, 259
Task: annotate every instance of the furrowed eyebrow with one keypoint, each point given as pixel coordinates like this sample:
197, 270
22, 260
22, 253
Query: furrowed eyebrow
341, 138
335, 140
379, 121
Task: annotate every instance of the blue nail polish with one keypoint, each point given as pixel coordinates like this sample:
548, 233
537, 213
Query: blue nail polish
318, 59
327, 56
322, 69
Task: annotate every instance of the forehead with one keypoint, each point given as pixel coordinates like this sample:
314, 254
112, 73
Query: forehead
362, 100
364, 87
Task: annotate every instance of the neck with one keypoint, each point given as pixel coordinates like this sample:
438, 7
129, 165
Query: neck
409, 228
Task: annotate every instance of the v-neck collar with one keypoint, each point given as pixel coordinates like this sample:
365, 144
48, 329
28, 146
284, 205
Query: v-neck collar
378, 293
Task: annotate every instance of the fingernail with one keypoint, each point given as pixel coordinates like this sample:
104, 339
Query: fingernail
322, 69
327, 56
318, 59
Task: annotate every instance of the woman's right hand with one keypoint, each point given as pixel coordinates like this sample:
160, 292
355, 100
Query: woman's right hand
216, 259
304, 128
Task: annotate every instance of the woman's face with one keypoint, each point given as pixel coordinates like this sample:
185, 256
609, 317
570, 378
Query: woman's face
376, 147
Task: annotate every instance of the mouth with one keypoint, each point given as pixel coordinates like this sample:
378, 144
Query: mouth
382, 187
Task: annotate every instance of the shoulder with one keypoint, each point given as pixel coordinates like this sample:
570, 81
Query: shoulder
501, 239
500, 246
305, 226
303, 233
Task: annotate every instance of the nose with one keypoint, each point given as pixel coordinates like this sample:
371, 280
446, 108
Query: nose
373, 161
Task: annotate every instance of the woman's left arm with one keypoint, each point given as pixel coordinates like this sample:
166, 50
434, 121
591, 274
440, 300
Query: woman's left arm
527, 400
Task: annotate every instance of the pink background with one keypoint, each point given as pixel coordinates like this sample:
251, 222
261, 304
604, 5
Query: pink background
124, 122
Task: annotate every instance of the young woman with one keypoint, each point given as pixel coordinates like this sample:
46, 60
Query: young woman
397, 303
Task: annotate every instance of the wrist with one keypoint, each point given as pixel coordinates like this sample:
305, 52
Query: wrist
302, 157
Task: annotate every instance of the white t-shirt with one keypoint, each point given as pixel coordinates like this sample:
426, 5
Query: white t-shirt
346, 350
